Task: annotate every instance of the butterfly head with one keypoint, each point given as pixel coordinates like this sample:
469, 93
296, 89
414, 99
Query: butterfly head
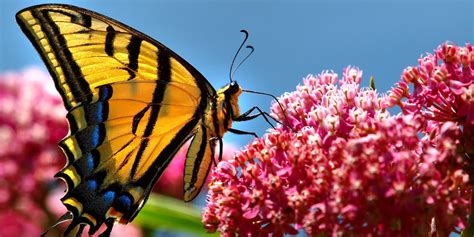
228, 104
234, 92
233, 89
229, 96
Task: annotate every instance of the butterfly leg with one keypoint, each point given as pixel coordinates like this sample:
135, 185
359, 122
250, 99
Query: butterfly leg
240, 132
221, 146
247, 116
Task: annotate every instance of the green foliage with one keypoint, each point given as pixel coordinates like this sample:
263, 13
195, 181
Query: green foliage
166, 213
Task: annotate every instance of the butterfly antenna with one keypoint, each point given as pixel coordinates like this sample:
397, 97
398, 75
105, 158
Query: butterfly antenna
279, 104
237, 53
252, 49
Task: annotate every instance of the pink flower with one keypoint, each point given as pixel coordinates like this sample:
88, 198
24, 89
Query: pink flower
443, 92
32, 121
348, 167
443, 85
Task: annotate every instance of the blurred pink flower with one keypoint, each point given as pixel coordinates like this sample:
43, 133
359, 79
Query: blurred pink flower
348, 167
32, 121
15, 224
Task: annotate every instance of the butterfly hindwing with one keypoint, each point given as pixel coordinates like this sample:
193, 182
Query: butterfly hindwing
119, 158
198, 162
131, 102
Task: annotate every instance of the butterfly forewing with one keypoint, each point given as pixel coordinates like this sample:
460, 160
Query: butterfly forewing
131, 104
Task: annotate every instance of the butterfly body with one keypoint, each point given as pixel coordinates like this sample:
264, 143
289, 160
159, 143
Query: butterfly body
132, 103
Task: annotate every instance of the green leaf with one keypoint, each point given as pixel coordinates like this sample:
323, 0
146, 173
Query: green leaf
372, 83
170, 214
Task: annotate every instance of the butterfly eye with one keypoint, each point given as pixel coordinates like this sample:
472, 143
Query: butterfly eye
233, 88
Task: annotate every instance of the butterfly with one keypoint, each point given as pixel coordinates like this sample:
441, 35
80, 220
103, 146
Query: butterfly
132, 103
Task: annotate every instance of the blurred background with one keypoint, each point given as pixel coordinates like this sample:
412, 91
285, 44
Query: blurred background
291, 39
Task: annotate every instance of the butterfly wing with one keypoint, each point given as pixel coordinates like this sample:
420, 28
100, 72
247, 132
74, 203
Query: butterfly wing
198, 162
131, 104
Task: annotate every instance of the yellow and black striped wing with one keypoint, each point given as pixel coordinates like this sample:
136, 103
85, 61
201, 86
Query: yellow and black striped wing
131, 104
198, 162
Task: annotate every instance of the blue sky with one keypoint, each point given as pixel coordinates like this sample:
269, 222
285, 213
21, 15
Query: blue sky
291, 38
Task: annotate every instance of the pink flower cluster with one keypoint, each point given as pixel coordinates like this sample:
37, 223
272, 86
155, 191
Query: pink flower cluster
443, 92
345, 165
32, 121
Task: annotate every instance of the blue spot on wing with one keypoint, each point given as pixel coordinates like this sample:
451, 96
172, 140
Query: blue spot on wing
95, 139
108, 197
92, 185
89, 162
124, 203
105, 92
99, 112
90, 137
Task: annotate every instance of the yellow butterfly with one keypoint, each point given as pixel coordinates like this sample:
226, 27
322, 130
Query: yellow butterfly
132, 103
